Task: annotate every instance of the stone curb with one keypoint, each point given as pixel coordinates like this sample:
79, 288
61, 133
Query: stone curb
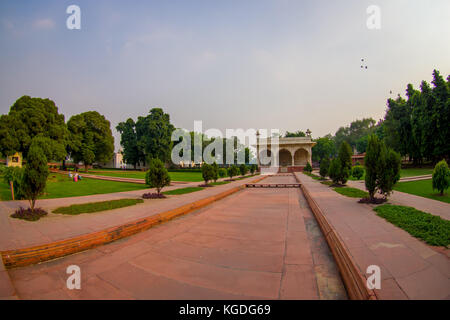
36, 254
7, 290
354, 281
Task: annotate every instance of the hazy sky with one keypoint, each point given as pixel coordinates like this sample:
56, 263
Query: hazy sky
233, 64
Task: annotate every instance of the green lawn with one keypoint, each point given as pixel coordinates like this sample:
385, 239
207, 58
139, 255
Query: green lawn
175, 176
422, 188
351, 192
404, 173
219, 183
60, 186
183, 191
432, 229
97, 206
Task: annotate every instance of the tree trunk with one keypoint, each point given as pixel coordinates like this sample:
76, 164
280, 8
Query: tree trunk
86, 167
11, 184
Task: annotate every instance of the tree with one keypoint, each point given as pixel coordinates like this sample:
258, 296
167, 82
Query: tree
441, 177
223, 172
371, 164
388, 171
13, 176
157, 175
324, 148
154, 135
253, 168
243, 169
91, 138
132, 154
30, 117
358, 172
335, 171
345, 159
308, 168
207, 172
324, 166
233, 171
35, 175
355, 131
215, 171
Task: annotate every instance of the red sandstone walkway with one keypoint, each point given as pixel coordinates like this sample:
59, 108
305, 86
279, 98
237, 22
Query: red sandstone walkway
438, 208
409, 268
255, 244
15, 233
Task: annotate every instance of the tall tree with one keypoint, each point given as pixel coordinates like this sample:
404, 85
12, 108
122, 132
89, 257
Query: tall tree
154, 133
30, 117
324, 148
91, 138
132, 154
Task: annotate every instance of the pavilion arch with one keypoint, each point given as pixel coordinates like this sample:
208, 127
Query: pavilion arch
301, 157
285, 158
265, 157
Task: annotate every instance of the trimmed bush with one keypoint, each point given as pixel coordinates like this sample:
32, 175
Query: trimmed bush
441, 177
35, 175
157, 175
243, 169
223, 172
308, 168
233, 171
357, 172
215, 171
207, 173
345, 159
335, 171
253, 168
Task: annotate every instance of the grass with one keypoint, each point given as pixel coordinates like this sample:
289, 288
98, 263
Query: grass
312, 175
422, 188
432, 229
327, 182
97, 206
174, 176
219, 183
351, 192
183, 191
61, 186
404, 173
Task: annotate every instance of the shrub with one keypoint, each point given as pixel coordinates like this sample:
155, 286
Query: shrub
223, 172
215, 171
308, 168
243, 169
233, 171
253, 168
324, 166
29, 214
441, 177
207, 172
382, 168
157, 175
358, 172
35, 175
14, 175
335, 171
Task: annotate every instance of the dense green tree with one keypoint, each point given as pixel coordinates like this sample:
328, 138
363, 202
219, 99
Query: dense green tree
324, 167
157, 175
324, 148
154, 134
233, 171
223, 172
441, 177
91, 138
388, 170
308, 168
35, 175
357, 172
334, 172
371, 164
355, 131
215, 171
30, 117
207, 173
132, 154
253, 168
13, 176
243, 169
345, 159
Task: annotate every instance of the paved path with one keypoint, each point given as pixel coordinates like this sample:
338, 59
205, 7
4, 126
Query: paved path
255, 244
16, 234
438, 208
410, 269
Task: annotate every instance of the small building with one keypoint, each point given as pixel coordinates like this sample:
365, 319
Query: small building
14, 160
358, 158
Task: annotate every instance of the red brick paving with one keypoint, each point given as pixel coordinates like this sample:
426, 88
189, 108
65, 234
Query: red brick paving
251, 245
410, 269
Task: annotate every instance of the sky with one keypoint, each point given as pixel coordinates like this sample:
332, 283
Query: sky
269, 64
